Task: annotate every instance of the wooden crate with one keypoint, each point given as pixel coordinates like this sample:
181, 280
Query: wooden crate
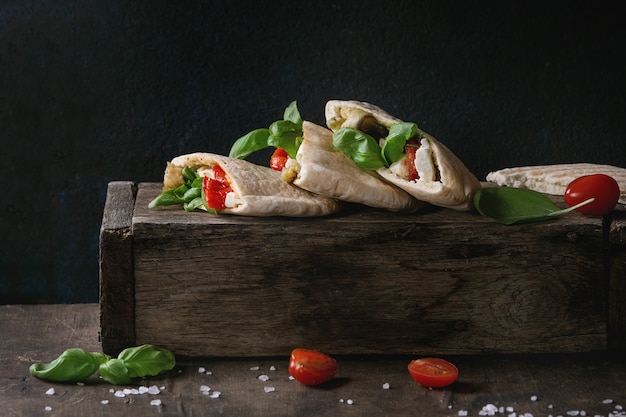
363, 282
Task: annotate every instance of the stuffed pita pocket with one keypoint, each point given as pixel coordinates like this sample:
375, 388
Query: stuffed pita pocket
305, 155
221, 184
406, 157
322, 169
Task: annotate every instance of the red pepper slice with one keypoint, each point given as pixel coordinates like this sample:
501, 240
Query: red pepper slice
215, 189
278, 159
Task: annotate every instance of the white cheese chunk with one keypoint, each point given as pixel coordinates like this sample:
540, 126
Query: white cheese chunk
424, 162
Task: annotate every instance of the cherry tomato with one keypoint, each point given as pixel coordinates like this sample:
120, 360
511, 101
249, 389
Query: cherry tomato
603, 188
216, 189
433, 372
311, 367
278, 159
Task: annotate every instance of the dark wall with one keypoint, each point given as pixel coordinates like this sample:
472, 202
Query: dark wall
96, 91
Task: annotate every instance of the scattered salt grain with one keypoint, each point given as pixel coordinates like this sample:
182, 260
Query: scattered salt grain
291, 378
119, 394
533, 398
618, 407
156, 403
143, 389
104, 402
111, 390
386, 385
48, 408
272, 368
509, 409
462, 413
269, 389
263, 377
153, 390
607, 401
341, 400
205, 389
254, 368
201, 370
50, 391
573, 412
80, 384
488, 410
215, 394
349, 402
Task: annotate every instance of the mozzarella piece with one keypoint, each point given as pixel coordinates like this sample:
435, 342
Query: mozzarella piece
424, 162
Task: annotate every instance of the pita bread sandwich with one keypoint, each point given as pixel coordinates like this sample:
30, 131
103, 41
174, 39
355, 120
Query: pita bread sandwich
410, 158
322, 169
220, 184
305, 155
554, 179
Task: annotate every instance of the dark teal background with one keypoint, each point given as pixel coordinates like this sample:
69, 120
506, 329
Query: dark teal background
97, 91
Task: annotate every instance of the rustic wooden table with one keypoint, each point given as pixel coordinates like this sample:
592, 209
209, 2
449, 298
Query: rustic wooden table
537, 385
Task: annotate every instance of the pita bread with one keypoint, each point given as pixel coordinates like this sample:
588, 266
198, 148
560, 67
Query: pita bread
554, 179
450, 184
322, 169
259, 190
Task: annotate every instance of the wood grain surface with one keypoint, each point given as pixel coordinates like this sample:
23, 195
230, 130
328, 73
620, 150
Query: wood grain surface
366, 282
542, 385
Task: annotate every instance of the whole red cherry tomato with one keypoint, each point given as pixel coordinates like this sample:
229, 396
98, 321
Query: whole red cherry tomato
603, 188
278, 159
311, 367
433, 372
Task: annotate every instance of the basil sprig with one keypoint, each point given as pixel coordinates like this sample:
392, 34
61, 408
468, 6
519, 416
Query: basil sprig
509, 205
365, 151
286, 134
189, 194
76, 365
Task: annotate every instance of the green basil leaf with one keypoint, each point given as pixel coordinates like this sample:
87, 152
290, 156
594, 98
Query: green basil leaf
509, 205
360, 147
115, 372
292, 114
194, 204
189, 174
287, 135
249, 143
71, 366
147, 360
393, 147
190, 194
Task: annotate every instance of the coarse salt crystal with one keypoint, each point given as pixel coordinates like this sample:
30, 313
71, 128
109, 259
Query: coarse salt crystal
104, 402
512, 415
263, 378
272, 368
607, 401
573, 412
156, 403
349, 402
462, 413
269, 389
254, 368
488, 410
215, 394
47, 408
386, 385
50, 391
291, 378
341, 400
153, 390
80, 384
205, 389
201, 370
618, 407
142, 389
533, 398
510, 409
120, 394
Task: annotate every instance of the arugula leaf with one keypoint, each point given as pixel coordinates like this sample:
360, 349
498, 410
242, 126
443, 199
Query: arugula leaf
286, 133
393, 148
190, 190
509, 205
360, 147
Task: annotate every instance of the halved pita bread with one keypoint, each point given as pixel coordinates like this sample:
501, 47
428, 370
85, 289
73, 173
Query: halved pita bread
449, 183
259, 190
322, 169
554, 179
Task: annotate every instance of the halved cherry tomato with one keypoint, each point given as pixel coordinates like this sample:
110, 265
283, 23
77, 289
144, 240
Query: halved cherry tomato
311, 367
433, 372
278, 159
602, 187
216, 188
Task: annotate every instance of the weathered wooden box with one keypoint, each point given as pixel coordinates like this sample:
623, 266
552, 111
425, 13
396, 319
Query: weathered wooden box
363, 282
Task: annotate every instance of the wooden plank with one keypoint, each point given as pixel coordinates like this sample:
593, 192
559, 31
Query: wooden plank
616, 250
366, 282
117, 292
561, 383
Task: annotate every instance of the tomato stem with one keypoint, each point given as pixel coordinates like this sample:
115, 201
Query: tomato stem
572, 208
